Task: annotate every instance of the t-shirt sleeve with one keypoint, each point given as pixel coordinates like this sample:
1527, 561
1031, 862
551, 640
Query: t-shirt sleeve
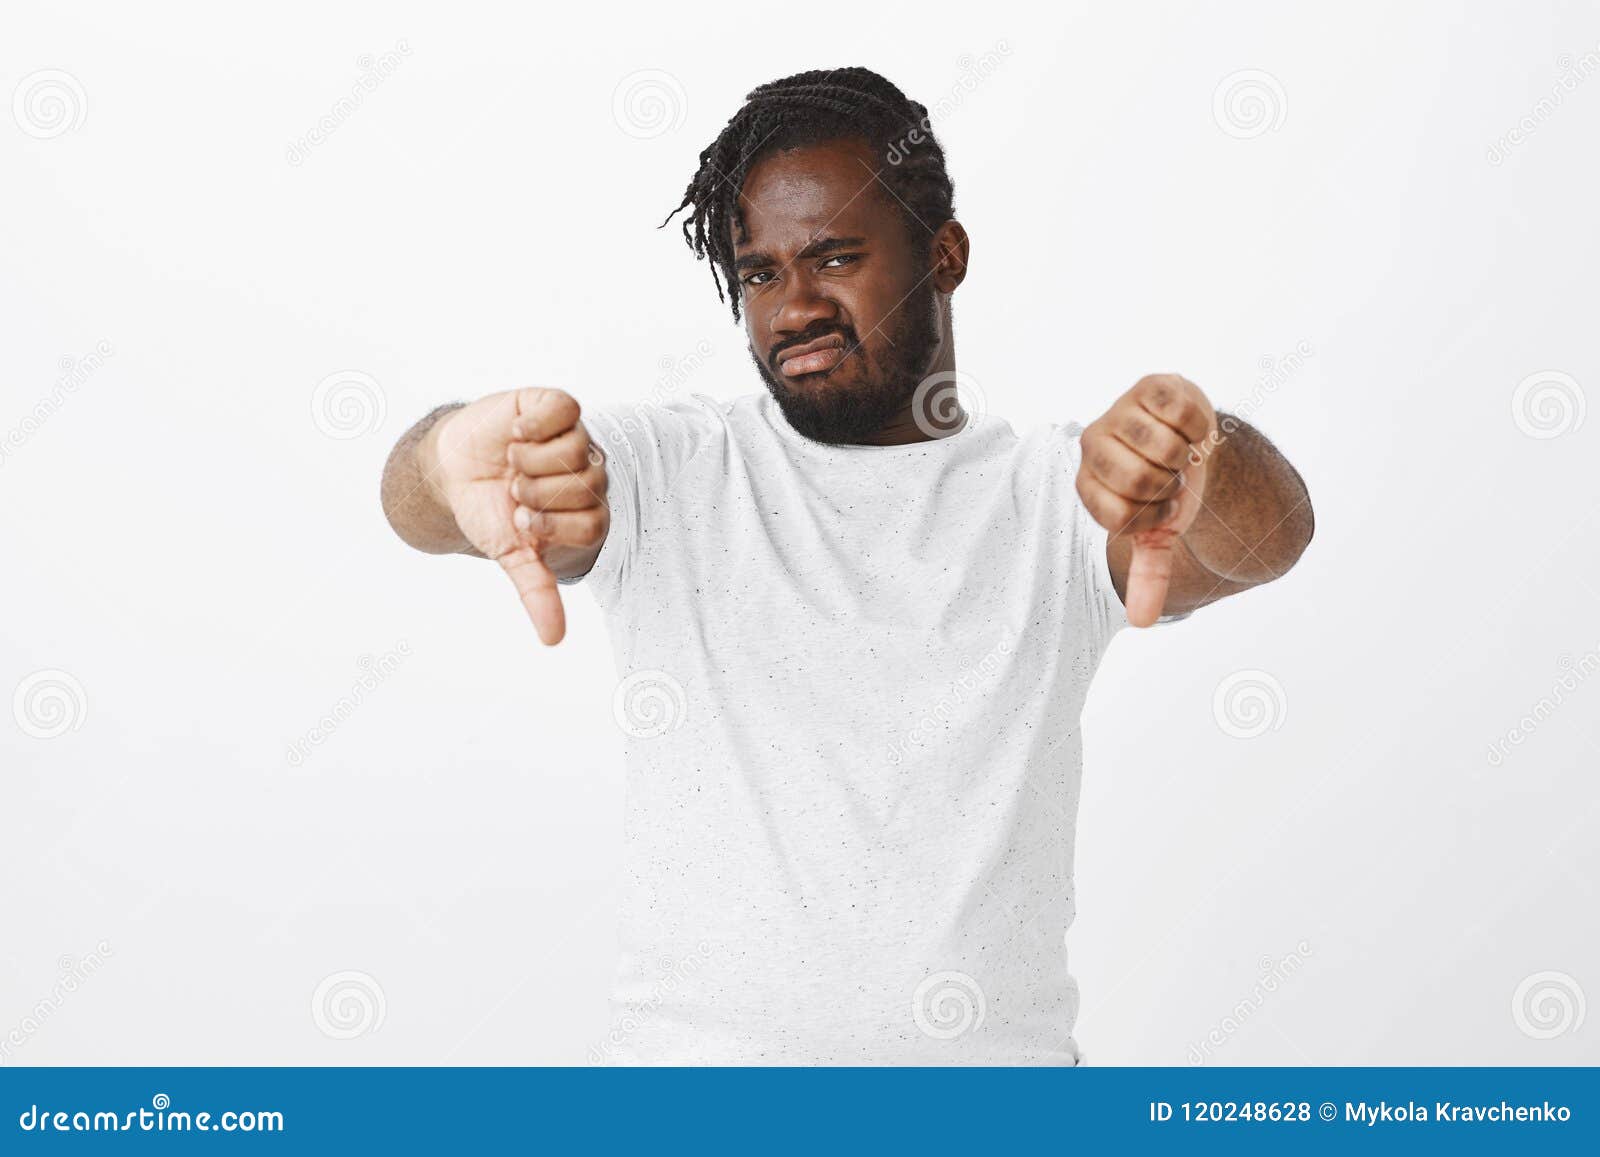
646, 446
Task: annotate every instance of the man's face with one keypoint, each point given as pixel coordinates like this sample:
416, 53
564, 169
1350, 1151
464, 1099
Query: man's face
842, 317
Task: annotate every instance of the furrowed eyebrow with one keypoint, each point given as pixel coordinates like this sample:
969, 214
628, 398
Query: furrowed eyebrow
818, 248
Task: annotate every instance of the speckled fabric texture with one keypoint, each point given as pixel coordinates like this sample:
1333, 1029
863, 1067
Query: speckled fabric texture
851, 682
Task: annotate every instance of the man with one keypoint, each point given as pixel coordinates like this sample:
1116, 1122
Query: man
855, 624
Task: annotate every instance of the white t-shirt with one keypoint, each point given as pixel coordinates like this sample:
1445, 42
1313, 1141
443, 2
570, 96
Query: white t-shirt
851, 680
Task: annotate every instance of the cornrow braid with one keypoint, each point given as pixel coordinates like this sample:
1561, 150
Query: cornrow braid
805, 109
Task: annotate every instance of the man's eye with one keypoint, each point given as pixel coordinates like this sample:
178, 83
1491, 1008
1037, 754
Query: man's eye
845, 257
750, 279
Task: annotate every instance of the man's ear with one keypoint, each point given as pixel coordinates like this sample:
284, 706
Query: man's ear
951, 249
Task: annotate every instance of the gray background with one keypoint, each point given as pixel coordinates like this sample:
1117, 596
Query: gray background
1345, 239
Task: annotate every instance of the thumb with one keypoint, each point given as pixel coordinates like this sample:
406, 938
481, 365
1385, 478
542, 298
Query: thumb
536, 587
1149, 572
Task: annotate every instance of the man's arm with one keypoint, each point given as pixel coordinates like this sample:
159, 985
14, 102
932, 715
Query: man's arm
1197, 509
512, 477
412, 502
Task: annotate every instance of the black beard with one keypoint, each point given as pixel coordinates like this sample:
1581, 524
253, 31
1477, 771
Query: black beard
852, 416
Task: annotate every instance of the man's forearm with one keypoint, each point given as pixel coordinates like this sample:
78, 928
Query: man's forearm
1256, 517
411, 502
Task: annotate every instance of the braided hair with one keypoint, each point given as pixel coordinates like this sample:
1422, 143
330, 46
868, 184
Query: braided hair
805, 109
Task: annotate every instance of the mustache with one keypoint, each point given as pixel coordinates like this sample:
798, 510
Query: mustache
812, 333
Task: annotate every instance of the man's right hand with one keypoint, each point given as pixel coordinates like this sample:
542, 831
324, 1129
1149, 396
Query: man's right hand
527, 489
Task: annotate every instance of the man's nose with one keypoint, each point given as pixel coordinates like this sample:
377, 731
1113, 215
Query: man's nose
803, 305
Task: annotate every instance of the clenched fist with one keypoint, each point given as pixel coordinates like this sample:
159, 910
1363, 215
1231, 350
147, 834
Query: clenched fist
527, 489
1143, 474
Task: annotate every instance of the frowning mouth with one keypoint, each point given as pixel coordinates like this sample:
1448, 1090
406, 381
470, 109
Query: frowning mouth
812, 357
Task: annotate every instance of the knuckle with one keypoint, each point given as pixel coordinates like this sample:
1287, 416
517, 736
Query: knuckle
592, 525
